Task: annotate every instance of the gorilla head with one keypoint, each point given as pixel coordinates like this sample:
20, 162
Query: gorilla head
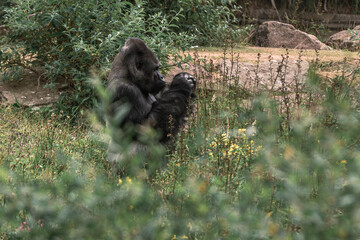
137, 63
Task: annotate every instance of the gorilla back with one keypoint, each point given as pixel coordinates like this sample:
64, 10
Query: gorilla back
135, 79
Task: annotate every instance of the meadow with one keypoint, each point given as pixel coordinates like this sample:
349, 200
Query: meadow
271, 159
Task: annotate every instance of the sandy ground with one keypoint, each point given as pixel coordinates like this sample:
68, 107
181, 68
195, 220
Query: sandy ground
330, 60
29, 93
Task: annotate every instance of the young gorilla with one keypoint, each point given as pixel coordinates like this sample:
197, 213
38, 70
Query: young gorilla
134, 79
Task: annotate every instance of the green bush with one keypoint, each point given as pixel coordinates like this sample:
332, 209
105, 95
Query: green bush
4, 4
212, 22
63, 40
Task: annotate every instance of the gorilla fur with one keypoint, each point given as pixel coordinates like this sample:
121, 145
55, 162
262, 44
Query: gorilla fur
135, 79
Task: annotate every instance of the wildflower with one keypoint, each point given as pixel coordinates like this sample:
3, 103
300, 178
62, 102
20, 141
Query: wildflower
343, 162
131, 207
268, 215
129, 180
119, 182
24, 226
241, 130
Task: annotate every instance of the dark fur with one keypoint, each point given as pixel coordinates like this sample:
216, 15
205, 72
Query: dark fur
135, 79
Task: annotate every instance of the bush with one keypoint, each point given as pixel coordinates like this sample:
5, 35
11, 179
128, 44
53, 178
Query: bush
212, 22
4, 4
62, 41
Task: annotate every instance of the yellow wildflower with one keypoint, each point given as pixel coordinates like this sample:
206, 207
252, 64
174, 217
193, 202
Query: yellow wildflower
241, 130
268, 215
119, 182
343, 161
129, 180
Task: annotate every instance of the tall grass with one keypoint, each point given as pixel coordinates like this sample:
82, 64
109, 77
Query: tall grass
260, 158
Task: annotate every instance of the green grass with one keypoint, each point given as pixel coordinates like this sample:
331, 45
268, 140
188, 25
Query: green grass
250, 164
33, 144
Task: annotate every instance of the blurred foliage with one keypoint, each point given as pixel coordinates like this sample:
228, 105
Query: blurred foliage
244, 168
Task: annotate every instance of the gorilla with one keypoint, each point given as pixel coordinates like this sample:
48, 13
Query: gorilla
135, 79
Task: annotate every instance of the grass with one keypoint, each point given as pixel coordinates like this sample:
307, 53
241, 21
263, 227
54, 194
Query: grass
32, 143
275, 159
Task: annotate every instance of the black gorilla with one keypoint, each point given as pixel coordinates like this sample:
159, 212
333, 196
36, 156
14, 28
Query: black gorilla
135, 79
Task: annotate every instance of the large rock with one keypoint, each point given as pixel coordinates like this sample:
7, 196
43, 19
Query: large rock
347, 39
282, 35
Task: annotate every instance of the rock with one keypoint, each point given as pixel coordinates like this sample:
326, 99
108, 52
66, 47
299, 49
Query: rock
343, 39
283, 35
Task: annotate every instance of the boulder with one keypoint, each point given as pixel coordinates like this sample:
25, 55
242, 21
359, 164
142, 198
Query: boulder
347, 39
283, 35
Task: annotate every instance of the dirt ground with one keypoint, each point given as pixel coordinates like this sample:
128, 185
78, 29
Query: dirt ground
29, 93
330, 60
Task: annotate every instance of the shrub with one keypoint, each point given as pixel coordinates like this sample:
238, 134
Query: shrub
3, 5
212, 22
63, 40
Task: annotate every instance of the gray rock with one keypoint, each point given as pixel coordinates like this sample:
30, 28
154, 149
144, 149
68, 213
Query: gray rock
283, 35
347, 39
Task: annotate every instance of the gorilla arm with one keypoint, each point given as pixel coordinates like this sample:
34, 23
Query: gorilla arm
148, 111
139, 104
169, 111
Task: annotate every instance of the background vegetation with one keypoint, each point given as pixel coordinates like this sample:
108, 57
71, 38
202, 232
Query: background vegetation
316, 6
275, 159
